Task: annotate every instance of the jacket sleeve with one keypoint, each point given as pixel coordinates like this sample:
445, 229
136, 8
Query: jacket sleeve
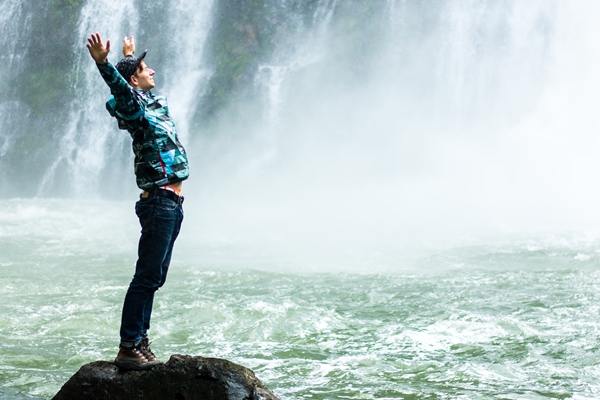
123, 102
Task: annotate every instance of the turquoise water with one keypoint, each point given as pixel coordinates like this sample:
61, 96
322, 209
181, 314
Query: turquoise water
509, 318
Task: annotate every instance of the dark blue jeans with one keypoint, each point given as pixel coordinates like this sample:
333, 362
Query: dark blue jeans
160, 219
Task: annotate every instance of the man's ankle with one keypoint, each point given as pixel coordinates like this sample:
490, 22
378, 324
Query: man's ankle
129, 345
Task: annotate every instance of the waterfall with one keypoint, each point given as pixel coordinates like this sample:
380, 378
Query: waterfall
302, 47
379, 108
89, 144
14, 16
187, 77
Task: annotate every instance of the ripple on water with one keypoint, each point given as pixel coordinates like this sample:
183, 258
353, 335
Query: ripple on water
509, 321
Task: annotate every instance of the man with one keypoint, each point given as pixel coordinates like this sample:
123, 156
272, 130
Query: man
160, 166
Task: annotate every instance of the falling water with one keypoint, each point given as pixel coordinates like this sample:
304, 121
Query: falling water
87, 146
13, 17
187, 76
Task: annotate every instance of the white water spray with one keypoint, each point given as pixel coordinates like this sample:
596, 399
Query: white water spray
431, 135
13, 18
186, 76
92, 147
90, 144
453, 117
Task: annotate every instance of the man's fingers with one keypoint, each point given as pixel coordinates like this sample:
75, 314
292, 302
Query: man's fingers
95, 39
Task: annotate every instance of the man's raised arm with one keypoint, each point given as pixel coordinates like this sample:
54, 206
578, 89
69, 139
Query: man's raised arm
123, 103
128, 46
98, 51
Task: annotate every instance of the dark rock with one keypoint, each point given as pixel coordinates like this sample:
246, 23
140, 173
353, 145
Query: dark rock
181, 378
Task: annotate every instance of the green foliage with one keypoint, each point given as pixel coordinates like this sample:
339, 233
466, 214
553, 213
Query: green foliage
42, 84
27, 144
64, 10
44, 91
240, 40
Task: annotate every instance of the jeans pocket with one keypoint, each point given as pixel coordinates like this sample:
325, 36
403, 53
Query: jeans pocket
166, 204
143, 208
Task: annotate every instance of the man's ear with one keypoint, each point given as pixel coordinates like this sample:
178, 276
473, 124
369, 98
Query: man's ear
133, 81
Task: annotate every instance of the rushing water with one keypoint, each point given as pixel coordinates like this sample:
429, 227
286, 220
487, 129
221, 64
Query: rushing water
360, 194
509, 318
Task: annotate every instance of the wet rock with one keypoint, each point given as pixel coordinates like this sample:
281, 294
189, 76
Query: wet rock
181, 378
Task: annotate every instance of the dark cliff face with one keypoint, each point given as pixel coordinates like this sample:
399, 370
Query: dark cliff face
181, 378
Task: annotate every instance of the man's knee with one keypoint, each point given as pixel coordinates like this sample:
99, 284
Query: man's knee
145, 285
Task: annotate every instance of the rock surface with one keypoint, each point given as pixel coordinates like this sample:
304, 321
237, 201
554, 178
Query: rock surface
181, 378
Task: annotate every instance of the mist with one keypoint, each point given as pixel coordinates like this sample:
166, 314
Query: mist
330, 125
481, 124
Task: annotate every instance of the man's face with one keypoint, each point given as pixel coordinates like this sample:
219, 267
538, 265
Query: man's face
143, 77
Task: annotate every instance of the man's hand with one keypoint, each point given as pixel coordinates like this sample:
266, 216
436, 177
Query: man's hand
128, 46
98, 51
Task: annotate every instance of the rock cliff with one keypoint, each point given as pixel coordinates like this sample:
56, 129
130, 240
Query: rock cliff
181, 378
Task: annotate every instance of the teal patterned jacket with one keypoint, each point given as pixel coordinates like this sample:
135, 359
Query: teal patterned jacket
160, 159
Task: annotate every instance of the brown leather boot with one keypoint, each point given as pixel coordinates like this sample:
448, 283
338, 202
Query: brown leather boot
132, 358
144, 347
